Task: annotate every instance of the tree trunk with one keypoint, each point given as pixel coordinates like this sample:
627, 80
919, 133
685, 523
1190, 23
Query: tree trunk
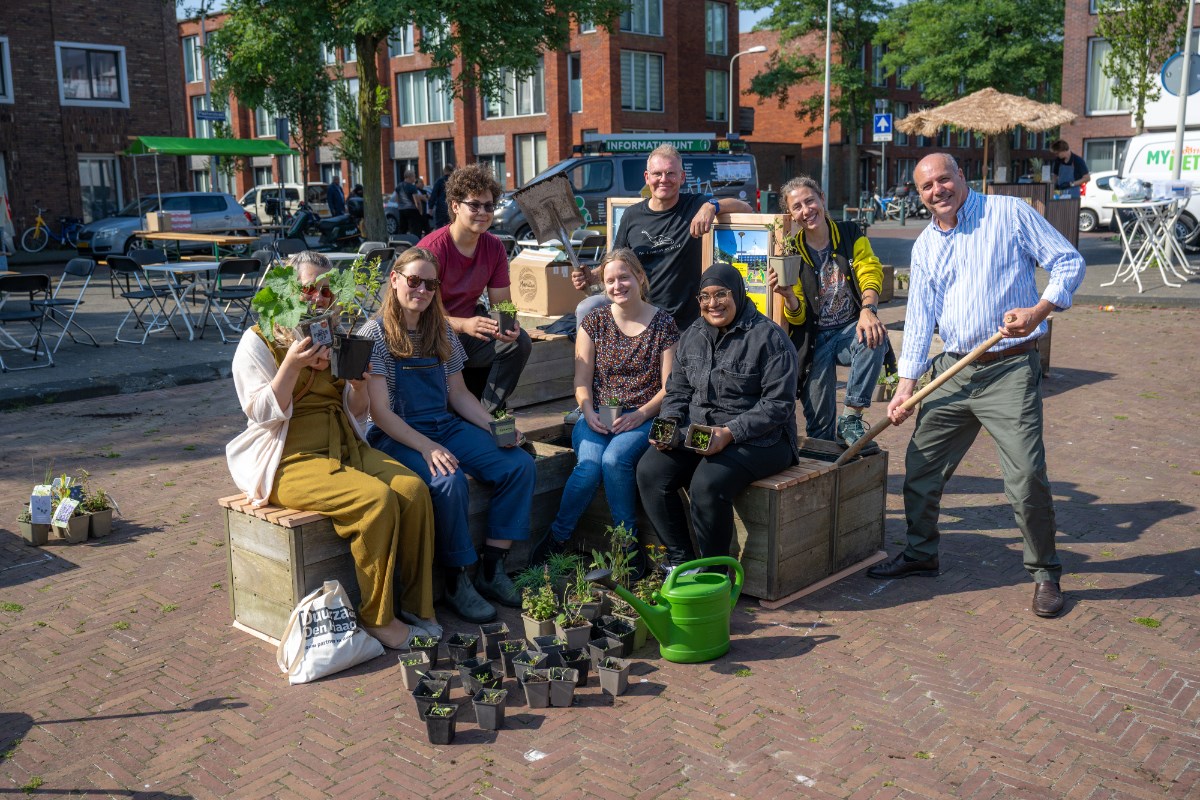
1002, 157
374, 224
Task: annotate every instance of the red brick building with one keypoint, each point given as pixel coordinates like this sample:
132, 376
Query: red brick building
666, 69
75, 84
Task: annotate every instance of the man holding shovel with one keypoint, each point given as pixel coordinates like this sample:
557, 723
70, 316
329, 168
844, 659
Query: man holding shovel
973, 274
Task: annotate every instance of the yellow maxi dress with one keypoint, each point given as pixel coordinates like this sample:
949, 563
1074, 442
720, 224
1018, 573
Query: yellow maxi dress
380, 506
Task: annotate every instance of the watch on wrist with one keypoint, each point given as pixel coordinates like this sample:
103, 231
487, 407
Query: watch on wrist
874, 309
716, 204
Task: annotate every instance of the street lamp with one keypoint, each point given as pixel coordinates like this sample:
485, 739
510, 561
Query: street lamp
729, 111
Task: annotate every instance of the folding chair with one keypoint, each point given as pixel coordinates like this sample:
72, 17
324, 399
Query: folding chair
386, 256
265, 258
403, 239
76, 269
224, 295
145, 300
143, 256
289, 247
367, 247
595, 242
32, 310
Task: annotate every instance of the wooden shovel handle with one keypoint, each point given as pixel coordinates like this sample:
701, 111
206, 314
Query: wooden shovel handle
882, 425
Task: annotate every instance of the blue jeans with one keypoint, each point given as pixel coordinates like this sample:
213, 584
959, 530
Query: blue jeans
607, 457
819, 394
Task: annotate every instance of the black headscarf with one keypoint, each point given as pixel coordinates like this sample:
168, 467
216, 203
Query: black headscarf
726, 276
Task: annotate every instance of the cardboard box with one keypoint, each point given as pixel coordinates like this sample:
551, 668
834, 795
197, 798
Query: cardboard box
541, 285
157, 222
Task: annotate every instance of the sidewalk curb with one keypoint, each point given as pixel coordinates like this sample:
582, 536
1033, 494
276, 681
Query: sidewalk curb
89, 388
1134, 301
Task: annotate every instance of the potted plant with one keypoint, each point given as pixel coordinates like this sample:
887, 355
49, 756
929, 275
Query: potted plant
99, 509
538, 609
428, 692
886, 385
447, 676
462, 646
504, 428
571, 626
412, 666
902, 279
529, 659
698, 437
646, 590
578, 660
505, 314
536, 683
34, 534
788, 264
622, 629
582, 594
489, 708
427, 645
551, 646
610, 412
66, 497
562, 686
493, 633
508, 650
604, 647
351, 286
439, 722
663, 431
614, 675
479, 676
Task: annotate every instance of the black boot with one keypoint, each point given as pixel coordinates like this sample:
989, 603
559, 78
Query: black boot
493, 582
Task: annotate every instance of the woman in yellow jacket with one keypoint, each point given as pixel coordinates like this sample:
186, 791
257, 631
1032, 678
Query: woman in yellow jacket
832, 313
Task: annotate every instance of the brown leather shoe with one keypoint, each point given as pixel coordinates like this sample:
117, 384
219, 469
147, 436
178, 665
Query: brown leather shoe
1047, 599
901, 567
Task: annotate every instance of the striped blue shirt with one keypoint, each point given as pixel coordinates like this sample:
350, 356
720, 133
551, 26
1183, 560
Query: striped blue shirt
964, 279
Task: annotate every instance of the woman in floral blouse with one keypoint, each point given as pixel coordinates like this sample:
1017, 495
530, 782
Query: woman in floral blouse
624, 351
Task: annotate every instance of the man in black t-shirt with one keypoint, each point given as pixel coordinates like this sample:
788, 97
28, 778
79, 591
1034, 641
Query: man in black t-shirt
666, 232
1069, 170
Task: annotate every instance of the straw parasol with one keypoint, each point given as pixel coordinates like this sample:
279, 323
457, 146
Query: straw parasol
988, 112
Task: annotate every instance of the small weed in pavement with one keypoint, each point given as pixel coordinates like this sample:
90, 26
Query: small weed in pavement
189, 447
110, 454
1111, 656
1149, 622
34, 784
121, 626
922, 754
167, 608
742, 673
13, 607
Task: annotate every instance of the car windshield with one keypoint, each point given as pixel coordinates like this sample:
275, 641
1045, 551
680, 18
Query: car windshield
138, 207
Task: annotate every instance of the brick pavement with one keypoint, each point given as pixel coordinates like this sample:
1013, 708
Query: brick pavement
123, 678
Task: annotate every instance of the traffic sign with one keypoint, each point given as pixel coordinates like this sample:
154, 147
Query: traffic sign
210, 115
883, 128
1172, 74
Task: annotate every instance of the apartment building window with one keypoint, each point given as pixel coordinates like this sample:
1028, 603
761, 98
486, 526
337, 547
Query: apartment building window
495, 163
441, 153
331, 171
292, 173
91, 75
6, 87
643, 16
350, 54
423, 99
1100, 97
333, 121
531, 156
641, 81
401, 42
328, 54
899, 113
945, 138
716, 28
201, 180
964, 138
435, 33
193, 63
1101, 154
99, 186
264, 122
902, 81
263, 176
716, 95
203, 128
585, 26
878, 78
520, 97
575, 82
403, 165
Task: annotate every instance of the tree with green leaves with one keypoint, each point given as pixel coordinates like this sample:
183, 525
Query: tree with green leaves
801, 67
956, 47
1143, 34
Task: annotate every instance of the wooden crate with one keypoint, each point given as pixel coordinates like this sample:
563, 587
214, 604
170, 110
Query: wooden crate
278, 555
888, 292
550, 372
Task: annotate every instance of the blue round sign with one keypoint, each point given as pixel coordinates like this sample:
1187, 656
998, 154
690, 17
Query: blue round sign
1172, 74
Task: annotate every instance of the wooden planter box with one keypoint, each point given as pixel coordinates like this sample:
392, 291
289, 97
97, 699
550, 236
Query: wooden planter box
278, 555
888, 292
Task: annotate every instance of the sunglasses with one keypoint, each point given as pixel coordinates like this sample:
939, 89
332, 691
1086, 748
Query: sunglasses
413, 281
706, 300
312, 290
476, 206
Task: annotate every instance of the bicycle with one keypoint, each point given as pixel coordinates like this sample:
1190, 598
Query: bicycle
36, 237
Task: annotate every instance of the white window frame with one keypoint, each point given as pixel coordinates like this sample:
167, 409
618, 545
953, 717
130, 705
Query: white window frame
328, 54
123, 78
585, 26
540, 155
264, 123
196, 61
436, 93
878, 76
405, 40
1089, 87
644, 9
531, 87
574, 82
711, 11
1118, 145
6, 81
205, 104
350, 54
334, 123
716, 98
645, 68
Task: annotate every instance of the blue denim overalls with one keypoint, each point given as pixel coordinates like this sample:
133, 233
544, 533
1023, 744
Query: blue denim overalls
422, 400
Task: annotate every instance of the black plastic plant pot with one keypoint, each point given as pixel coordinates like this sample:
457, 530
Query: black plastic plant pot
536, 683
410, 665
624, 630
466, 666
429, 692
462, 646
430, 649
505, 320
489, 709
663, 431
578, 660
319, 328
698, 437
614, 676
504, 431
439, 723
493, 633
529, 659
562, 686
350, 356
446, 675
481, 677
640, 629
551, 646
604, 647
575, 637
509, 648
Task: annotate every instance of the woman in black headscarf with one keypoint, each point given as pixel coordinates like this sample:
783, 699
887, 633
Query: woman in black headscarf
735, 371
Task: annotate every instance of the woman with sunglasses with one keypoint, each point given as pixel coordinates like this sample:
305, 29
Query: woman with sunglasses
304, 448
624, 351
424, 416
735, 371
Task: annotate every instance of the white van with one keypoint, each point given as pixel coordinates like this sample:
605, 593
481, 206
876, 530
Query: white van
1150, 157
256, 199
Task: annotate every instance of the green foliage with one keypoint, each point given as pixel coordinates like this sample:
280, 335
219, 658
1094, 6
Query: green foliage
353, 284
96, 501
1143, 34
24, 516
540, 604
505, 307
1149, 622
438, 710
616, 560
493, 697
279, 302
645, 589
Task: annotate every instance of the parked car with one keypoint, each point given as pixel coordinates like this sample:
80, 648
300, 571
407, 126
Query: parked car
261, 200
1093, 196
211, 212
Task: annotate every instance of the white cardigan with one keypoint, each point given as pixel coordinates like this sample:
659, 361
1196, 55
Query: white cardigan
254, 454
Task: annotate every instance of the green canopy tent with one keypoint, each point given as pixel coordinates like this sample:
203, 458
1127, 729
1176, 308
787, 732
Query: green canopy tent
183, 146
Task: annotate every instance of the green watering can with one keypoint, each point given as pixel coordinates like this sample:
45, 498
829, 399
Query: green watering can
691, 620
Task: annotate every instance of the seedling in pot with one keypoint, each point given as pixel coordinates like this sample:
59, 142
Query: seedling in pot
698, 437
504, 428
536, 684
610, 412
427, 645
489, 708
509, 649
614, 676
578, 660
439, 723
663, 431
462, 646
538, 608
505, 315
562, 686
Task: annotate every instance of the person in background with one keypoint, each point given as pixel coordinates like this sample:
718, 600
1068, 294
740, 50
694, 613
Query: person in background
303, 448
437, 198
406, 205
472, 261
973, 274
421, 199
1069, 170
423, 416
624, 351
335, 199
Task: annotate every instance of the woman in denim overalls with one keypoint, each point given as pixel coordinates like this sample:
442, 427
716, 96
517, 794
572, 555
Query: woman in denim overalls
424, 416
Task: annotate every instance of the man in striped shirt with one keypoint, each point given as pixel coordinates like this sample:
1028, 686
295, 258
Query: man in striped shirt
973, 274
